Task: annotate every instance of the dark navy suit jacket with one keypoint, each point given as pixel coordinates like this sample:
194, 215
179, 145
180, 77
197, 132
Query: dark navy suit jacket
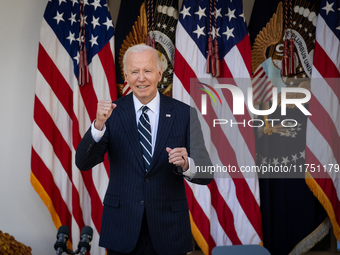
160, 193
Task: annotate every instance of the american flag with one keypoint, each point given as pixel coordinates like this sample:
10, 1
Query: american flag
63, 111
262, 86
323, 126
227, 211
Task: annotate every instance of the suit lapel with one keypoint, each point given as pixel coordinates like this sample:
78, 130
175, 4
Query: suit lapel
128, 118
166, 119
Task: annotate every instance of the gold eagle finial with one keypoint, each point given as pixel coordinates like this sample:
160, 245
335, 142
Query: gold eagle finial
136, 36
269, 35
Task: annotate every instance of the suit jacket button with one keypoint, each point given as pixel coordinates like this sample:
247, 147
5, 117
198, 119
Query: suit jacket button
146, 179
142, 202
89, 148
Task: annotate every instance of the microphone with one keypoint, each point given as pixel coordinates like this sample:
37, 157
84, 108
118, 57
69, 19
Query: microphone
85, 240
62, 236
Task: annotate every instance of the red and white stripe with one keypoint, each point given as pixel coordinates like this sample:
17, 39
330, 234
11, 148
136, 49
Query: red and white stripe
63, 112
227, 211
126, 89
262, 86
323, 126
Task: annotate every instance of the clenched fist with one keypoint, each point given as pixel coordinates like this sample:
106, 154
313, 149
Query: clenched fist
104, 110
179, 157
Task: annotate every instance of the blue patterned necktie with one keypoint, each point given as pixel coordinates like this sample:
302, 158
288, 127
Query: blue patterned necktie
144, 130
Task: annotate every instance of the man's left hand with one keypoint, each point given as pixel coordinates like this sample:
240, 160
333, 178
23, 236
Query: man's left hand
179, 157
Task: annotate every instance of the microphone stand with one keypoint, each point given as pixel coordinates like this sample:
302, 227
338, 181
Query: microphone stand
68, 251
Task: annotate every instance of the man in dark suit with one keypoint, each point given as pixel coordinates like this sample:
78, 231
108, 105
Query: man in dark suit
145, 206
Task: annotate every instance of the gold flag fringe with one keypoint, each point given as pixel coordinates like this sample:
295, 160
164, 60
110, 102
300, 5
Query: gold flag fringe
202, 243
323, 199
48, 203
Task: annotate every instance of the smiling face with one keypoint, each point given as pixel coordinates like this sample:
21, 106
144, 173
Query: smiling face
143, 75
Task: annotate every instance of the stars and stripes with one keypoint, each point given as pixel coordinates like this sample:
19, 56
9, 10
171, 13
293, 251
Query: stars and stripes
262, 86
63, 111
323, 126
227, 211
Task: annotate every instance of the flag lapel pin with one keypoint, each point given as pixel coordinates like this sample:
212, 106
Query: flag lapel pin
168, 115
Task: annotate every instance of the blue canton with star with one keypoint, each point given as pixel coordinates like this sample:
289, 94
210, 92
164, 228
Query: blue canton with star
230, 23
330, 12
64, 18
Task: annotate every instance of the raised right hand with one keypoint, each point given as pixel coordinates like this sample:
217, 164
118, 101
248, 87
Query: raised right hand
104, 110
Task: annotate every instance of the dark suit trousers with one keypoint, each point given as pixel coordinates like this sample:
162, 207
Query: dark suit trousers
144, 244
